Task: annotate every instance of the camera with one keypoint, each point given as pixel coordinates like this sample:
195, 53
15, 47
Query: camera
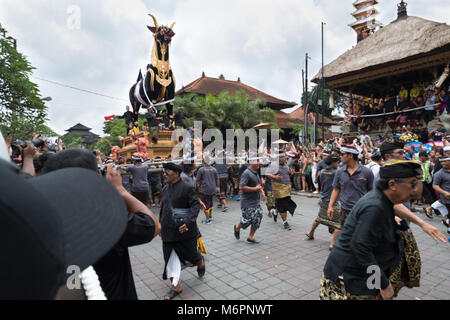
38, 143
102, 169
16, 148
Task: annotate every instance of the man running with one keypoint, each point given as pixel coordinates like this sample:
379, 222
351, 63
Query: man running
251, 211
281, 188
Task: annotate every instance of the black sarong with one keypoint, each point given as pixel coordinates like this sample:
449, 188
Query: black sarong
286, 204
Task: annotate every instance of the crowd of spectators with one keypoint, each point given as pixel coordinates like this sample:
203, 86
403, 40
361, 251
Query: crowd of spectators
434, 100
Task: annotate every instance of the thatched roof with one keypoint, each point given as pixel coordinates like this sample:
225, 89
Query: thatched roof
401, 41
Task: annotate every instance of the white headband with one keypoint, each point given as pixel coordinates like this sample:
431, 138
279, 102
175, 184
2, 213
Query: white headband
349, 150
447, 148
446, 159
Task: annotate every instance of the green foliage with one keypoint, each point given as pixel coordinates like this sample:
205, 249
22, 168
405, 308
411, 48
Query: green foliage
73, 140
226, 111
316, 94
115, 128
297, 128
22, 112
104, 145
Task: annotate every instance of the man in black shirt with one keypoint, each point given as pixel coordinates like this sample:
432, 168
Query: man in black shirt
370, 241
129, 117
152, 124
178, 217
178, 118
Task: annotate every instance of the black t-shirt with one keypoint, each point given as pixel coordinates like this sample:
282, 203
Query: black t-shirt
114, 269
151, 119
437, 135
403, 105
179, 119
390, 104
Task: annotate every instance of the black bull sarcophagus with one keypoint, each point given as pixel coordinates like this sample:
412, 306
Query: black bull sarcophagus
158, 85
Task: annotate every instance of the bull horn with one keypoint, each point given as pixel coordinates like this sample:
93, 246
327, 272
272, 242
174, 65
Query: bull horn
154, 20
171, 27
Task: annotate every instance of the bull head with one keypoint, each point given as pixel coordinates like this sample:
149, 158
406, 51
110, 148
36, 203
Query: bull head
162, 33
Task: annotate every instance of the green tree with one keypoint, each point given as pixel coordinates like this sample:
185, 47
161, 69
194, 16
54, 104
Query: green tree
72, 140
104, 145
297, 128
22, 112
225, 111
316, 94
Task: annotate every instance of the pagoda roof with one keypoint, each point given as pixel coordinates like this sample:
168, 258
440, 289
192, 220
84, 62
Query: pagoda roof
79, 127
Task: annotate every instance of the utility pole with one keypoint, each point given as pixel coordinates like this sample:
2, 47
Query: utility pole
304, 106
323, 89
306, 99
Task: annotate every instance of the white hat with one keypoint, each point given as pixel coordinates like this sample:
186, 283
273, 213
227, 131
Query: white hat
447, 148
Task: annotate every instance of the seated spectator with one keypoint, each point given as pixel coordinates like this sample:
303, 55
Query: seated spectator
430, 107
403, 94
443, 99
390, 105
377, 122
416, 91
440, 133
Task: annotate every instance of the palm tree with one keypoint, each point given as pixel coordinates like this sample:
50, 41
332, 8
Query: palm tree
225, 111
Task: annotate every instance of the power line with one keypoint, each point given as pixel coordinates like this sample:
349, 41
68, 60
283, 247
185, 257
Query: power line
78, 89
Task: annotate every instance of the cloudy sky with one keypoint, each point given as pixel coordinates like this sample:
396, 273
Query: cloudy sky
262, 42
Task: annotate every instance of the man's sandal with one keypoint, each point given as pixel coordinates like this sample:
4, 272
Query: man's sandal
309, 237
428, 213
201, 271
171, 294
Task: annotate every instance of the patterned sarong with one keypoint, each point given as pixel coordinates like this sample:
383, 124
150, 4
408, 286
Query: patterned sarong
270, 200
407, 273
335, 222
336, 291
280, 190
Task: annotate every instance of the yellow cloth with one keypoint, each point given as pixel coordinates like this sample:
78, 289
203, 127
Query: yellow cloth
403, 93
415, 92
201, 246
280, 190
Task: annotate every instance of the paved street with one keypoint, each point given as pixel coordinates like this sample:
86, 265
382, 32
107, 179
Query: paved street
283, 267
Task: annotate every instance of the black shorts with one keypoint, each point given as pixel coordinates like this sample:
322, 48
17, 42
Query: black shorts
223, 188
207, 200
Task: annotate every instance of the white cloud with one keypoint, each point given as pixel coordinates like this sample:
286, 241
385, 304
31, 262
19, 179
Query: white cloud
262, 42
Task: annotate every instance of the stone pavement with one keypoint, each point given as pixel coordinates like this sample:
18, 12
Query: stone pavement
283, 267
